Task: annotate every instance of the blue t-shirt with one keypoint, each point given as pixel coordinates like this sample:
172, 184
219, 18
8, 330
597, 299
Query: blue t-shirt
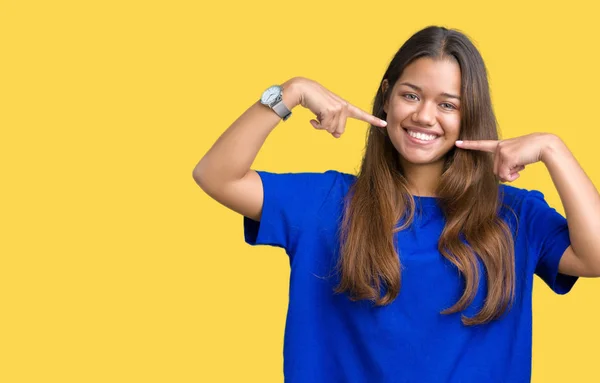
329, 338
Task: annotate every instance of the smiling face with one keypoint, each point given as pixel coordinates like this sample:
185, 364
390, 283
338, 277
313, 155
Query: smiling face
423, 111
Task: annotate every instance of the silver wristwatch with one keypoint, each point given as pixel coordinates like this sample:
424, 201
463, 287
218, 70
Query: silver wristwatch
273, 98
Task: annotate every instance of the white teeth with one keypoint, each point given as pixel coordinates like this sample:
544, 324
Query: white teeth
422, 136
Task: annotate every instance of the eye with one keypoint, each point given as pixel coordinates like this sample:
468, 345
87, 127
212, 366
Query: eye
446, 105
410, 96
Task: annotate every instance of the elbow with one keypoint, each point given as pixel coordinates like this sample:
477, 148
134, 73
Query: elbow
199, 175
208, 179
594, 272
591, 269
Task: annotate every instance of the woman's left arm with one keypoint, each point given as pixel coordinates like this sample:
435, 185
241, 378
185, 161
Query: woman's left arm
580, 199
581, 202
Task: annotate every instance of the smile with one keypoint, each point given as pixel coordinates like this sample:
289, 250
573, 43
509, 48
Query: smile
421, 138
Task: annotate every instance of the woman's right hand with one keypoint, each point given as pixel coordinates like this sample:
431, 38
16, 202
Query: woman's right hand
331, 111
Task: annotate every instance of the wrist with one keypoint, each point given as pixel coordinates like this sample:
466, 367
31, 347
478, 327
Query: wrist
292, 94
554, 147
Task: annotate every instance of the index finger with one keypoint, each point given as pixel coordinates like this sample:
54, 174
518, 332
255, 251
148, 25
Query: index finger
483, 145
360, 114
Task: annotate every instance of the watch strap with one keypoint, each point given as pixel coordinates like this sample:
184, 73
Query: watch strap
282, 110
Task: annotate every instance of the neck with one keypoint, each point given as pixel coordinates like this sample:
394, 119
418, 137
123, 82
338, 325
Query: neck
423, 180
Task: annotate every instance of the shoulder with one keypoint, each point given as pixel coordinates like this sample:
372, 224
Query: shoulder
326, 176
527, 206
338, 183
518, 198
306, 186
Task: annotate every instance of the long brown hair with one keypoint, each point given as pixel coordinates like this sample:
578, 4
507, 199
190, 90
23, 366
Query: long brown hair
468, 194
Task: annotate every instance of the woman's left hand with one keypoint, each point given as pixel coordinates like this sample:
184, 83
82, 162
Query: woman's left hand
512, 155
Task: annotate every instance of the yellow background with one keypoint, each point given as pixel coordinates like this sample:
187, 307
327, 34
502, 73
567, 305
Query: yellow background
116, 267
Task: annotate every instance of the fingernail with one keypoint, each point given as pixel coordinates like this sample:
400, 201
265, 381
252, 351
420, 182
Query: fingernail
384, 123
459, 142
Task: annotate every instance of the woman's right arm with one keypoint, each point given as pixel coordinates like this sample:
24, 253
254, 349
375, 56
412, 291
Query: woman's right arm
224, 171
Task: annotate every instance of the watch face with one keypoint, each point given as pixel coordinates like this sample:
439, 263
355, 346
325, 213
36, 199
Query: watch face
270, 94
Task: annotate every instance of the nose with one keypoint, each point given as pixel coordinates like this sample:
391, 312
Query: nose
425, 114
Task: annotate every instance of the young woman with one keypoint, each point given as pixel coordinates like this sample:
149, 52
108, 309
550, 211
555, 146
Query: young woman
420, 268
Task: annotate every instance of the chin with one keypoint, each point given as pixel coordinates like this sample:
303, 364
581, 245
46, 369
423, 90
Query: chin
420, 160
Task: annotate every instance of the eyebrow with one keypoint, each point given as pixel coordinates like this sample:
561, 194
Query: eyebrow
420, 90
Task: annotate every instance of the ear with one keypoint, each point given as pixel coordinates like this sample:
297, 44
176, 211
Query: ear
384, 88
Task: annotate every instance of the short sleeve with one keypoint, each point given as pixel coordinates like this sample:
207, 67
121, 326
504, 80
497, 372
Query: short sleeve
289, 200
548, 238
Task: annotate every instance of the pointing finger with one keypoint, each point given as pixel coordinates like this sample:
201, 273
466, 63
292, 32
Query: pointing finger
483, 145
360, 114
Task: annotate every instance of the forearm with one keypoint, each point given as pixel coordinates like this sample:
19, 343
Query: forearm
580, 200
233, 153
